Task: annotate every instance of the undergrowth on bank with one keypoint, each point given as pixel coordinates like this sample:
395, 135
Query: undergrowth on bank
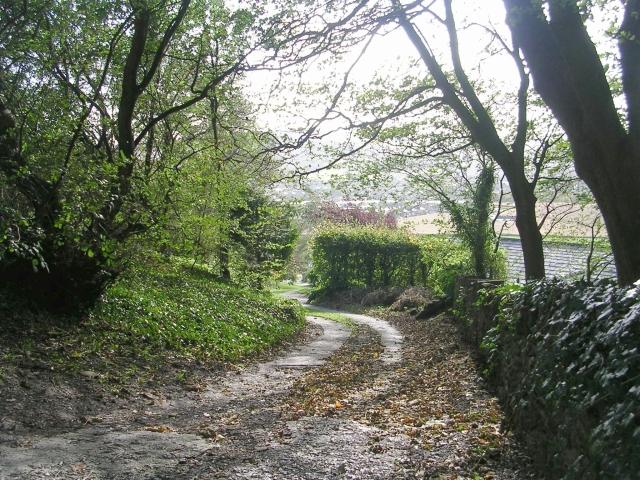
154, 311
187, 311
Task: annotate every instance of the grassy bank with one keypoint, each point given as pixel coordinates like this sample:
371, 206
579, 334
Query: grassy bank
188, 312
161, 310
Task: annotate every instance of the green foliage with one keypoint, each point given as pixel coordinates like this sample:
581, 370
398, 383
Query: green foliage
300, 263
445, 258
264, 237
92, 164
172, 307
567, 358
463, 183
470, 219
346, 257
228, 222
130, 121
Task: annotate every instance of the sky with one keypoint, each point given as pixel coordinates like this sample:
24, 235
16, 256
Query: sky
390, 52
393, 54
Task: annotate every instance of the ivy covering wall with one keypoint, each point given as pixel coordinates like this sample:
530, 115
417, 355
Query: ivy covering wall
566, 361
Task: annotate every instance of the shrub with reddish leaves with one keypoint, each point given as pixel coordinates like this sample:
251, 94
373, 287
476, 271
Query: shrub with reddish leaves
352, 214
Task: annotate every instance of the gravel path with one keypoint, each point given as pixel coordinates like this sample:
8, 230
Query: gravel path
390, 398
391, 338
233, 428
314, 354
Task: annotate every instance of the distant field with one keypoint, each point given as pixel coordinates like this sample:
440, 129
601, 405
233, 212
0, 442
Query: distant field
568, 222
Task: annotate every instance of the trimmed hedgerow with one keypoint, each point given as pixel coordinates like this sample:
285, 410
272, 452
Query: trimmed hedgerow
347, 257
567, 363
373, 256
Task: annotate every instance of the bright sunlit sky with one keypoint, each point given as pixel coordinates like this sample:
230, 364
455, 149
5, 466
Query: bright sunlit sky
391, 53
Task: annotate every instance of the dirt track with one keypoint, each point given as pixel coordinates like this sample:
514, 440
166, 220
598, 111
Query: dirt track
373, 411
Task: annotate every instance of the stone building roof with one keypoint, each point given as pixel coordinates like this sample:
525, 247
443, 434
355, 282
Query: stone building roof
565, 260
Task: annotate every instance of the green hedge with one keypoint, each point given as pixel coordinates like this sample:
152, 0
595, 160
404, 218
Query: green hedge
566, 360
446, 258
346, 257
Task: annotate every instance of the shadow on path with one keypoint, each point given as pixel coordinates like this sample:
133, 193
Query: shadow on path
232, 428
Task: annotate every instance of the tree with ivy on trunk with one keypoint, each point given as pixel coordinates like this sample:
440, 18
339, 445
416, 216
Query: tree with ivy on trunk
459, 94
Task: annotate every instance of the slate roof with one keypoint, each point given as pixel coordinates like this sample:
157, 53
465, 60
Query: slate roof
561, 260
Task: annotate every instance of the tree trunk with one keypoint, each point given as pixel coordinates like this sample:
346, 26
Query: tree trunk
223, 258
480, 259
569, 76
483, 131
530, 236
615, 185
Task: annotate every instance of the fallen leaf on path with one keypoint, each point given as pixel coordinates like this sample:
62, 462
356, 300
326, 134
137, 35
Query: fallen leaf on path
160, 429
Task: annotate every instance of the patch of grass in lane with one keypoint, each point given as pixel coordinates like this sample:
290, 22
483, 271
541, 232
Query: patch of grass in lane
336, 317
281, 287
